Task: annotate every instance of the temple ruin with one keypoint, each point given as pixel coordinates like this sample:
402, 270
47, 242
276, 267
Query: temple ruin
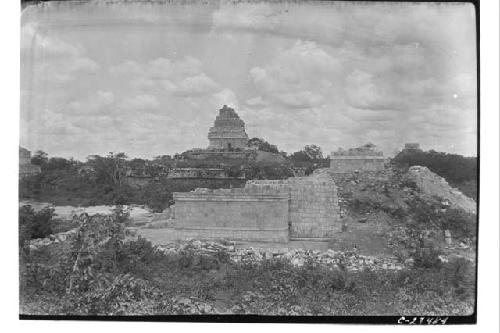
228, 131
364, 158
298, 208
26, 169
412, 147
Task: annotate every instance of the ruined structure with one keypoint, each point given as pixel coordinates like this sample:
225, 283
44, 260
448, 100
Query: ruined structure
222, 155
364, 158
434, 185
409, 147
228, 131
26, 169
205, 173
264, 210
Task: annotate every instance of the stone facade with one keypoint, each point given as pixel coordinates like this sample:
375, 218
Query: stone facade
246, 214
264, 210
411, 147
219, 154
26, 169
314, 210
228, 131
364, 158
206, 173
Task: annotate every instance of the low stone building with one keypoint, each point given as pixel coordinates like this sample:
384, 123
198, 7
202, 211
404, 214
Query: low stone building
228, 131
412, 147
264, 210
26, 169
364, 158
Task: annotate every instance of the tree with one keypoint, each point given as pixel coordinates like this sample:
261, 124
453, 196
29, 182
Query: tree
111, 169
313, 152
300, 156
262, 145
58, 163
40, 158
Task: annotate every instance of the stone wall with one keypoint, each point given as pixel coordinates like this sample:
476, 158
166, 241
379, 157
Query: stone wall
207, 173
228, 142
264, 210
345, 164
246, 214
314, 210
363, 158
26, 169
220, 155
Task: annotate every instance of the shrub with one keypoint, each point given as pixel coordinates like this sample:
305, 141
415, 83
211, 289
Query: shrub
34, 224
460, 223
427, 257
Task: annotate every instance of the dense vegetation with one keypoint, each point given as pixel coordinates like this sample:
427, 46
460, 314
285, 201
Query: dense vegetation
104, 270
40, 224
105, 180
458, 170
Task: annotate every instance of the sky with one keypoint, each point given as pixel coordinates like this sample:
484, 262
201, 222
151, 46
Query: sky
149, 79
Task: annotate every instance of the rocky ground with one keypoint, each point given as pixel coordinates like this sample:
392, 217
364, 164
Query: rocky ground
298, 257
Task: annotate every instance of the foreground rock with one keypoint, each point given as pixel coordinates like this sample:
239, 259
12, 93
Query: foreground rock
351, 260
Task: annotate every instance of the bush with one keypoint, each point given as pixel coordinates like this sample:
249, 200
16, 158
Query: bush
33, 224
460, 223
427, 257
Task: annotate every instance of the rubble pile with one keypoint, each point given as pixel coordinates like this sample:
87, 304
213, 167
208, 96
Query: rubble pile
380, 186
431, 184
351, 260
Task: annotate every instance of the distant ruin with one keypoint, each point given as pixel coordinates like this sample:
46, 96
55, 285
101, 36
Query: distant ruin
26, 169
205, 173
364, 158
228, 131
411, 147
264, 210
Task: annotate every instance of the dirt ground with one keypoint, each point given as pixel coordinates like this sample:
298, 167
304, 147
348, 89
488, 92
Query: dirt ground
367, 238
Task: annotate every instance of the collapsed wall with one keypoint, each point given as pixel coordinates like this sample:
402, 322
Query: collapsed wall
264, 210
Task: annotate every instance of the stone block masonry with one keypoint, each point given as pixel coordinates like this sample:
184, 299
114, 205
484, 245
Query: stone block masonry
264, 210
364, 158
245, 214
314, 210
228, 131
346, 164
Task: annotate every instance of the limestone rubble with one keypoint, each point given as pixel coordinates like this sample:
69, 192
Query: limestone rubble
431, 184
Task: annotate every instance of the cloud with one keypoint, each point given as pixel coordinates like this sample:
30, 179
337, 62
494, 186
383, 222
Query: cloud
182, 77
225, 97
100, 102
140, 102
362, 92
255, 102
330, 74
298, 76
199, 84
64, 61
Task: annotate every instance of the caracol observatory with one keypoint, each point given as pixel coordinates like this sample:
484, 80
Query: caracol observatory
228, 131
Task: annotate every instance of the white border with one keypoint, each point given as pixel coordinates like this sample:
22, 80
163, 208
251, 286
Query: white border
488, 296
